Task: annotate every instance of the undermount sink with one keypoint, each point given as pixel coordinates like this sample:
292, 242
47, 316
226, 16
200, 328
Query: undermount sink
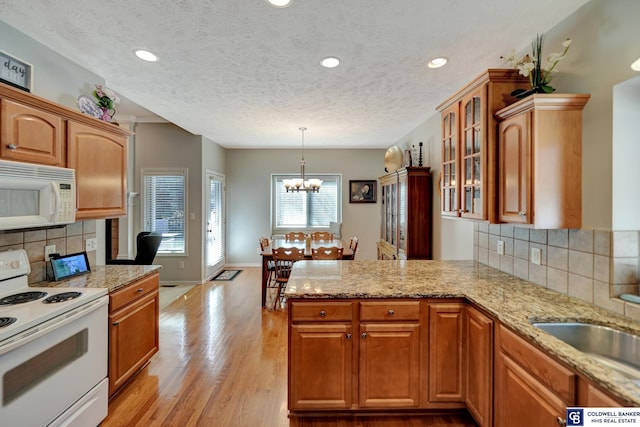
617, 349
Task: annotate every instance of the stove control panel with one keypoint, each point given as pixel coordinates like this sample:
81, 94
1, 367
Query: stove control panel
14, 263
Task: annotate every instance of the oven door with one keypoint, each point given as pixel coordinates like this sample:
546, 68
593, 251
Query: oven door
43, 373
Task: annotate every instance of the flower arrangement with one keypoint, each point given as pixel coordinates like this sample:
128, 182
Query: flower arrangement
106, 99
531, 66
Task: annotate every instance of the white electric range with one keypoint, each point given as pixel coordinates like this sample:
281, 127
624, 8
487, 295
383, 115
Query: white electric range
53, 350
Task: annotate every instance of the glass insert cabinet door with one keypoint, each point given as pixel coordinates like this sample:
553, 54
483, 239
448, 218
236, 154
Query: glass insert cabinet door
449, 193
472, 201
402, 214
389, 213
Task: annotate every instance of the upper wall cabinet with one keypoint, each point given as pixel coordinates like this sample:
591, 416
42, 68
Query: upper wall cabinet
469, 149
100, 161
540, 161
31, 135
35, 130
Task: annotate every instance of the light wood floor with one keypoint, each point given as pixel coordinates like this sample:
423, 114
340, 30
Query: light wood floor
223, 363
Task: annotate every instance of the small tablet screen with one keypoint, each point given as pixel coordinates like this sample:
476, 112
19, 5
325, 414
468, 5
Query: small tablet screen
70, 265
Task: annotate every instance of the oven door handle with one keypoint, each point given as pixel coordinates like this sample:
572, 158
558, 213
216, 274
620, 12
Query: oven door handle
37, 331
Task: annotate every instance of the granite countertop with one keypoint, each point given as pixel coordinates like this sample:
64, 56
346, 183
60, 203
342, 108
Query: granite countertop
112, 277
513, 301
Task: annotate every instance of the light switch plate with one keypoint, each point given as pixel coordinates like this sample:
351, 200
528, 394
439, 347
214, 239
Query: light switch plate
536, 255
500, 247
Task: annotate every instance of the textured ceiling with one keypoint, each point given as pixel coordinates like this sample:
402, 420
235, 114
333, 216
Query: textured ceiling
247, 75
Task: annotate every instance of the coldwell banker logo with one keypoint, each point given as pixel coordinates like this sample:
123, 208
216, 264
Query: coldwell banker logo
575, 417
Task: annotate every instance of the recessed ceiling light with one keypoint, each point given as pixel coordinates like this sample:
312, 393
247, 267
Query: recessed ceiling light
636, 65
437, 62
280, 3
145, 55
330, 62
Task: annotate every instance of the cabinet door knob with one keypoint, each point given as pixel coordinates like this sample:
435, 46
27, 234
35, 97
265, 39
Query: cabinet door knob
348, 336
391, 312
11, 146
115, 323
323, 313
139, 290
522, 213
364, 335
561, 422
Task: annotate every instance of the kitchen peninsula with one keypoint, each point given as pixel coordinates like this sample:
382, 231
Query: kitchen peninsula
134, 311
435, 335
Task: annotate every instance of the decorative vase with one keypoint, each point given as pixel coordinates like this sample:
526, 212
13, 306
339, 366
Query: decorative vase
107, 114
522, 93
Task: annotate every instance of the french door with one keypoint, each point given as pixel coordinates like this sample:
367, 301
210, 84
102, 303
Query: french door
215, 223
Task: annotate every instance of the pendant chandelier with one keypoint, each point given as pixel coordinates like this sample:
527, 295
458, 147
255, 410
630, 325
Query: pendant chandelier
302, 184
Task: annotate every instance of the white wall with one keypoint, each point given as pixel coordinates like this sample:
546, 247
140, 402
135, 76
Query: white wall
249, 191
604, 34
54, 77
626, 155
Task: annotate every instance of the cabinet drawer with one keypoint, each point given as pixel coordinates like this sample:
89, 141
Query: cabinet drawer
321, 311
132, 292
549, 372
389, 310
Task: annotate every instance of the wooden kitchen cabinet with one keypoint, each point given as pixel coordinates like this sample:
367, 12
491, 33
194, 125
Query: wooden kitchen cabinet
100, 160
321, 355
133, 329
446, 336
469, 144
331, 369
405, 230
590, 395
389, 362
30, 134
478, 368
540, 161
530, 383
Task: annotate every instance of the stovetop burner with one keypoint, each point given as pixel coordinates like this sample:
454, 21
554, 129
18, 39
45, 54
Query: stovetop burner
6, 321
61, 297
22, 298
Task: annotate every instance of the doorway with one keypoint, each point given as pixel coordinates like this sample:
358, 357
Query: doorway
215, 224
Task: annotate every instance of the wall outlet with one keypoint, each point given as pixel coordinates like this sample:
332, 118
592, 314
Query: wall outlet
48, 250
500, 247
180, 264
536, 254
91, 244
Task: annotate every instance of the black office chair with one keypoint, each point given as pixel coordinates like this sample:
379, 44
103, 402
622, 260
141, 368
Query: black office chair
147, 243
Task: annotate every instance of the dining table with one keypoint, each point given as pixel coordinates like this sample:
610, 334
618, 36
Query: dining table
267, 255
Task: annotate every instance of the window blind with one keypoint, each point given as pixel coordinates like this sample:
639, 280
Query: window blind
164, 208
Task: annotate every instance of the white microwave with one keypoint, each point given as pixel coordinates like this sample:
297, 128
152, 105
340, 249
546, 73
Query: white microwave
36, 195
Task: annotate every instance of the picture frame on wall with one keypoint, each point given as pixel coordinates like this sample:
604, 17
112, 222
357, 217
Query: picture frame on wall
16, 72
363, 191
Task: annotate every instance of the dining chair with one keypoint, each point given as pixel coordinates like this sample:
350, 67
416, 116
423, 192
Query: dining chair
271, 267
284, 258
322, 236
295, 236
322, 252
353, 245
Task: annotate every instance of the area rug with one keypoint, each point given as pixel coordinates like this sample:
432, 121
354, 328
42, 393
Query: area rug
226, 275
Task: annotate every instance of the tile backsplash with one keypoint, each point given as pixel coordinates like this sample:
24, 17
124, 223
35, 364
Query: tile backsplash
595, 266
68, 239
